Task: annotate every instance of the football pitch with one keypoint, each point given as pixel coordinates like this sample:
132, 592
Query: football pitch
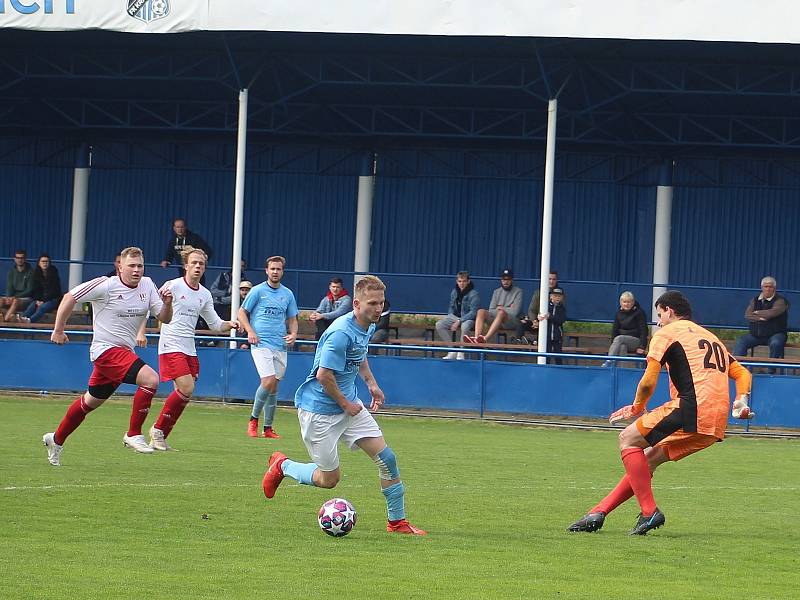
495, 499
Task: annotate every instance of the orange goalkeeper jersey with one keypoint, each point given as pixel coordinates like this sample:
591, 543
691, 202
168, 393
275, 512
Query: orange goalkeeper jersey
698, 364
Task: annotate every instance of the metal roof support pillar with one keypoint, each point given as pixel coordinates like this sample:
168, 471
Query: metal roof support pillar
238, 209
366, 189
663, 232
80, 210
547, 221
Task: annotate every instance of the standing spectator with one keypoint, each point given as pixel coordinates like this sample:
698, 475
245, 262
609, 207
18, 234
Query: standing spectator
461, 313
19, 286
221, 291
768, 315
504, 309
47, 291
273, 310
555, 316
122, 304
177, 355
182, 238
335, 303
629, 333
530, 321
330, 411
382, 327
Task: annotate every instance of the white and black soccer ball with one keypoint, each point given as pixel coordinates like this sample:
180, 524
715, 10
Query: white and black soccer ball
159, 7
337, 517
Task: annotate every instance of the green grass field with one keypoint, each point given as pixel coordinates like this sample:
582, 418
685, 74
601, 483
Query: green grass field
495, 499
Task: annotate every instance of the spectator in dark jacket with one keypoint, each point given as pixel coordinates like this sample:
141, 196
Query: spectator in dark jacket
555, 316
46, 291
19, 286
181, 239
629, 333
768, 318
381, 333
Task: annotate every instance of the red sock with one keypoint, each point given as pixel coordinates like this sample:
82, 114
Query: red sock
639, 477
141, 406
620, 494
173, 407
75, 415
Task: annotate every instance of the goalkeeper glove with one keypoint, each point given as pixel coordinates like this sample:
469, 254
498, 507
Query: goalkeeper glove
625, 413
741, 409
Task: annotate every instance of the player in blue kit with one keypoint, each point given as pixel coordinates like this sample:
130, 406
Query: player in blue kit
329, 410
269, 315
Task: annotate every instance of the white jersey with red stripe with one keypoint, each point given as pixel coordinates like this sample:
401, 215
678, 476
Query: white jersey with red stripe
188, 303
118, 310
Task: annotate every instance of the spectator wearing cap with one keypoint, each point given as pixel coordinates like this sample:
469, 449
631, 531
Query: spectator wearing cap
221, 291
244, 289
503, 312
555, 316
530, 321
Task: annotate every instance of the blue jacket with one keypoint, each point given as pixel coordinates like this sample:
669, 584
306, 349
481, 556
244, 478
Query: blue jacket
333, 310
470, 304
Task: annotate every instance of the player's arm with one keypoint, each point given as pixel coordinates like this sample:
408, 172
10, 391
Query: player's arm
68, 303
644, 391
244, 321
743, 381
327, 379
291, 328
165, 314
141, 338
372, 385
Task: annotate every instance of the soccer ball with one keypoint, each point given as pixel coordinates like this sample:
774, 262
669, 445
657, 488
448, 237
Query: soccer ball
337, 517
159, 7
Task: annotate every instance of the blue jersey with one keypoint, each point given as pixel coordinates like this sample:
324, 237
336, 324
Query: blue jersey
268, 310
342, 349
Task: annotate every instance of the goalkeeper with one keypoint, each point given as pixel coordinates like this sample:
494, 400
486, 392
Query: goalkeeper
693, 419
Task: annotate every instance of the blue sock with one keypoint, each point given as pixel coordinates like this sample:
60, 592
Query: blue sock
269, 409
301, 472
259, 401
395, 501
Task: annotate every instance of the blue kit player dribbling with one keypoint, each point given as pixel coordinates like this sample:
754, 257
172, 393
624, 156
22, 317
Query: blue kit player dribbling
329, 410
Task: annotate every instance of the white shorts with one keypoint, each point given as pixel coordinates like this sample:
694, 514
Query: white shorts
321, 434
269, 362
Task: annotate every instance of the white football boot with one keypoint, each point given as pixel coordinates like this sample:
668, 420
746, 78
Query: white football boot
53, 449
158, 441
137, 443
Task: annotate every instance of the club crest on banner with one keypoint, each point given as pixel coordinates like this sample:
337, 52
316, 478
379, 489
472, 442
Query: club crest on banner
148, 10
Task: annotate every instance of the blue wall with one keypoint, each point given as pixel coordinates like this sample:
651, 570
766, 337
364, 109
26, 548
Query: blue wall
435, 212
471, 385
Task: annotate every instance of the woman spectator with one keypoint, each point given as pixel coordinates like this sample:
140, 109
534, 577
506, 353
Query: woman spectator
47, 291
630, 331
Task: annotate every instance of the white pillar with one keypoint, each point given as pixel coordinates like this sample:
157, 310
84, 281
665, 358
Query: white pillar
366, 188
80, 210
547, 221
661, 248
238, 208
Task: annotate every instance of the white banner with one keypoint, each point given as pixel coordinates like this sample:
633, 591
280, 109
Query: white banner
735, 20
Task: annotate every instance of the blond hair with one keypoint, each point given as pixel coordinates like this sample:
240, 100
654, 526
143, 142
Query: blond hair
131, 251
369, 283
189, 250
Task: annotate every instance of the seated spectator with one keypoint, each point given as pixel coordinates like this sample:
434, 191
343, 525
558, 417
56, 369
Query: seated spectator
381, 333
530, 322
19, 286
629, 333
181, 239
461, 313
117, 263
504, 309
244, 289
221, 292
555, 316
768, 316
335, 303
46, 291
